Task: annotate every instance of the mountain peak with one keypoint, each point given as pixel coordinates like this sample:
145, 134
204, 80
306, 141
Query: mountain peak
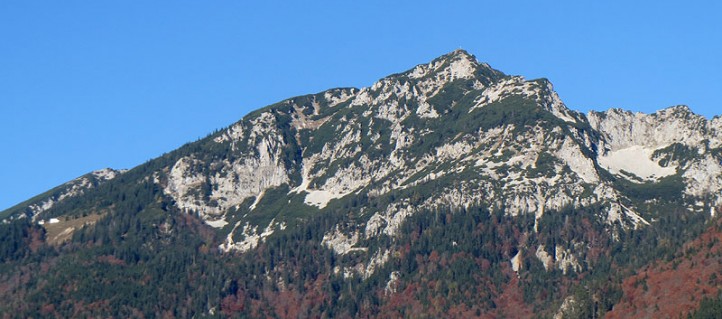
452, 66
684, 109
457, 64
459, 53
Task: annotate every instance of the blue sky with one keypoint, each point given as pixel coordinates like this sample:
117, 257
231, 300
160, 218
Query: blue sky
91, 84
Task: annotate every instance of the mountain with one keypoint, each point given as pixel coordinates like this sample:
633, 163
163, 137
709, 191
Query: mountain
36, 206
451, 189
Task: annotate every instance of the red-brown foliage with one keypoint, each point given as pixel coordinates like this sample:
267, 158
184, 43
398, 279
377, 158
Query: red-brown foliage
673, 289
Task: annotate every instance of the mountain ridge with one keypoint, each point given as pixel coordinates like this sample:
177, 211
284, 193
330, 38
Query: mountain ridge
421, 82
561, 190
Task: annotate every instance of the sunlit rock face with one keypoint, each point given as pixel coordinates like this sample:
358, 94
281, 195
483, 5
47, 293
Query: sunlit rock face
474, 135
449, 135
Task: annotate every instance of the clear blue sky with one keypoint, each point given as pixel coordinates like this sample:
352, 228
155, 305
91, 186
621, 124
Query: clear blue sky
91, 84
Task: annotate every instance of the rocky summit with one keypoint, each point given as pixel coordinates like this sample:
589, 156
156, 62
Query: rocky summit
449, 190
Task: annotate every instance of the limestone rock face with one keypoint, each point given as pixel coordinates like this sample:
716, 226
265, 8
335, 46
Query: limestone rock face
447, 135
